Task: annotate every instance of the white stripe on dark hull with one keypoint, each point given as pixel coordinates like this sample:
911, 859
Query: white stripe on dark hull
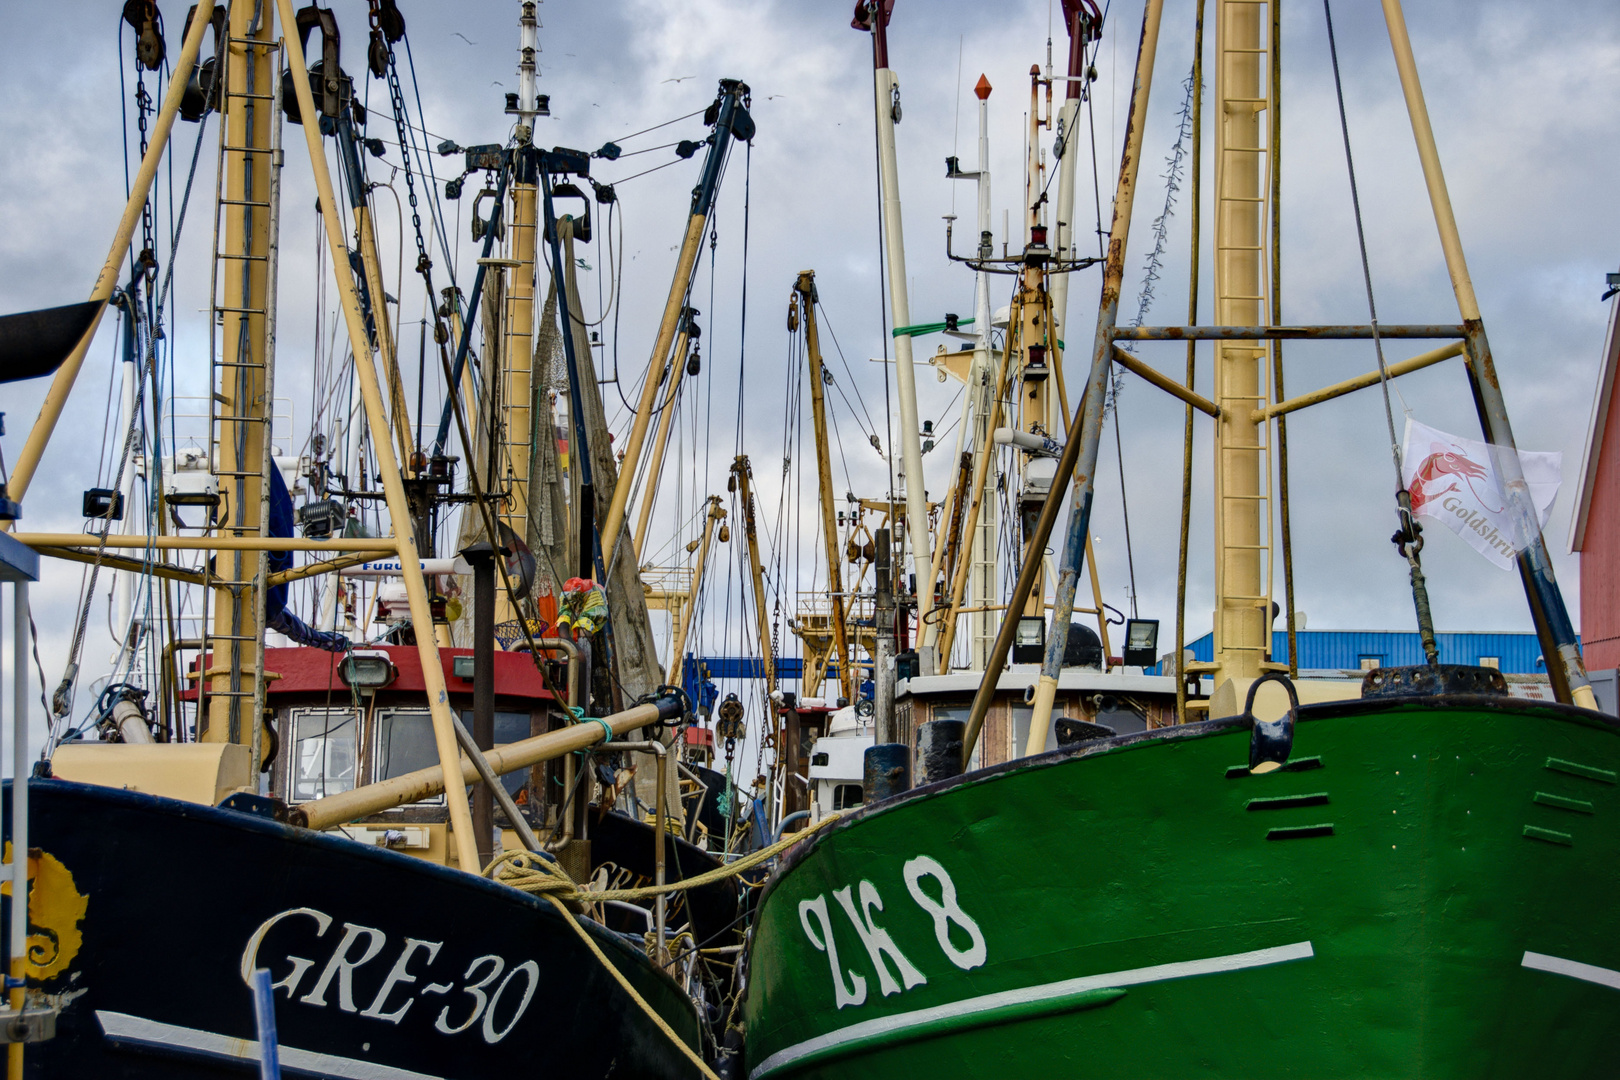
127, 1030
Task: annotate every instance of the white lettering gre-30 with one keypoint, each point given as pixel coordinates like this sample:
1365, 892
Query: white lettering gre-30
490, 995
881, 950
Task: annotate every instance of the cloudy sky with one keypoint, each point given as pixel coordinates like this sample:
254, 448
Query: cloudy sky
1523, 99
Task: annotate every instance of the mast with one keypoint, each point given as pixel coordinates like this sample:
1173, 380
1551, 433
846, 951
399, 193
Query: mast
130, 372
517, 428
1034, 400
742, 476
984, 453
1079, 457
688, 610
730, 120
1242, 632
806, 289
975, 431
688, 334
873, 15
982, 585
239, 406
1083, 22
444, 734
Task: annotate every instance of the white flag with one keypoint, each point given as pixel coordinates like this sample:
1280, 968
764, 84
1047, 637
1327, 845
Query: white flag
1454, 480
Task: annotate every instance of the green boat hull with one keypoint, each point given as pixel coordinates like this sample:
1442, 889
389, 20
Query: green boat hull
1427, 890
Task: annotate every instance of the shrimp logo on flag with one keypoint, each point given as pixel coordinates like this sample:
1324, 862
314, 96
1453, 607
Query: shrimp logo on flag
1455, 481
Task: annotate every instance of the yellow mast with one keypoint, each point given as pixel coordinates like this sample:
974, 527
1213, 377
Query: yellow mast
1037, 356
666, 420
444, 732
731, 121
984, 453
517, 362
742, 476
805, 287
688, 607
1242, 168
239, 404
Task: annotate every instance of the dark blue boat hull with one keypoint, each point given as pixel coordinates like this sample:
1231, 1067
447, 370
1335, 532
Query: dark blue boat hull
145, 912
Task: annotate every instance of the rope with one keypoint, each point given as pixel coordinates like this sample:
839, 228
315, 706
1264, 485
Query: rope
530, 873
624, 983
551, 880
1408, 541
526, 872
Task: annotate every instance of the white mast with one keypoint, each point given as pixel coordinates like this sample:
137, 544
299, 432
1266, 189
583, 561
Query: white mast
1081, 29
887, 104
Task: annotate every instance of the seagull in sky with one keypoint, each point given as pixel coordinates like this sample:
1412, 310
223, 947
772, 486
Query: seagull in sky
681, 79
463, 37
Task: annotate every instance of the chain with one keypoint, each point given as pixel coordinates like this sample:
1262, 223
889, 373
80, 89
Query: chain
424, 265
147, 259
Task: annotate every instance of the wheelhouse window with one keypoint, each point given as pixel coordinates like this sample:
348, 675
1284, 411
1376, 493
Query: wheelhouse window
510, 727
405, 744
325, 752
846, 796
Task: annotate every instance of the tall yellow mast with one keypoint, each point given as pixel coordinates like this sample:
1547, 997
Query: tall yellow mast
517, 375
805, 287
742, 477
1242, 169
240, 408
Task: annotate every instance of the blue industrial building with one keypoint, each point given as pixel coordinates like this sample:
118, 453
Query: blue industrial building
1353, 650
1319, 651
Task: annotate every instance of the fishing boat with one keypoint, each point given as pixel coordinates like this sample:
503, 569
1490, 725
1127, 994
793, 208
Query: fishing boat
436, 818
1272, 877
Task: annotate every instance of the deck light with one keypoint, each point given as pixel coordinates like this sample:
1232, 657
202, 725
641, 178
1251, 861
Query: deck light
1141, 642
1029, 640
367, 670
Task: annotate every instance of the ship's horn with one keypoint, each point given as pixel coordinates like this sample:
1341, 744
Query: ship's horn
35, 343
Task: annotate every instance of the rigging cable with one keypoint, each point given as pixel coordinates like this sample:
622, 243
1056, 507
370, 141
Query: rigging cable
1409, 539
62, 700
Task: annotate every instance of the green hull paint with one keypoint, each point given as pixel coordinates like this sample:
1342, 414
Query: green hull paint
1419, 905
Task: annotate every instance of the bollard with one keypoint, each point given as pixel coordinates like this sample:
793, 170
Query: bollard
939, 750
887, 771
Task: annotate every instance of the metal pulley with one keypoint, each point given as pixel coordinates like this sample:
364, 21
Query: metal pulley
203, 84
793, 312
329, 84
729, 719
147, 21
387, 27
495, 221
694, 363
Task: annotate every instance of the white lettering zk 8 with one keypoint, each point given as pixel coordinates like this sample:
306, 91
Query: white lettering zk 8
894, 971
